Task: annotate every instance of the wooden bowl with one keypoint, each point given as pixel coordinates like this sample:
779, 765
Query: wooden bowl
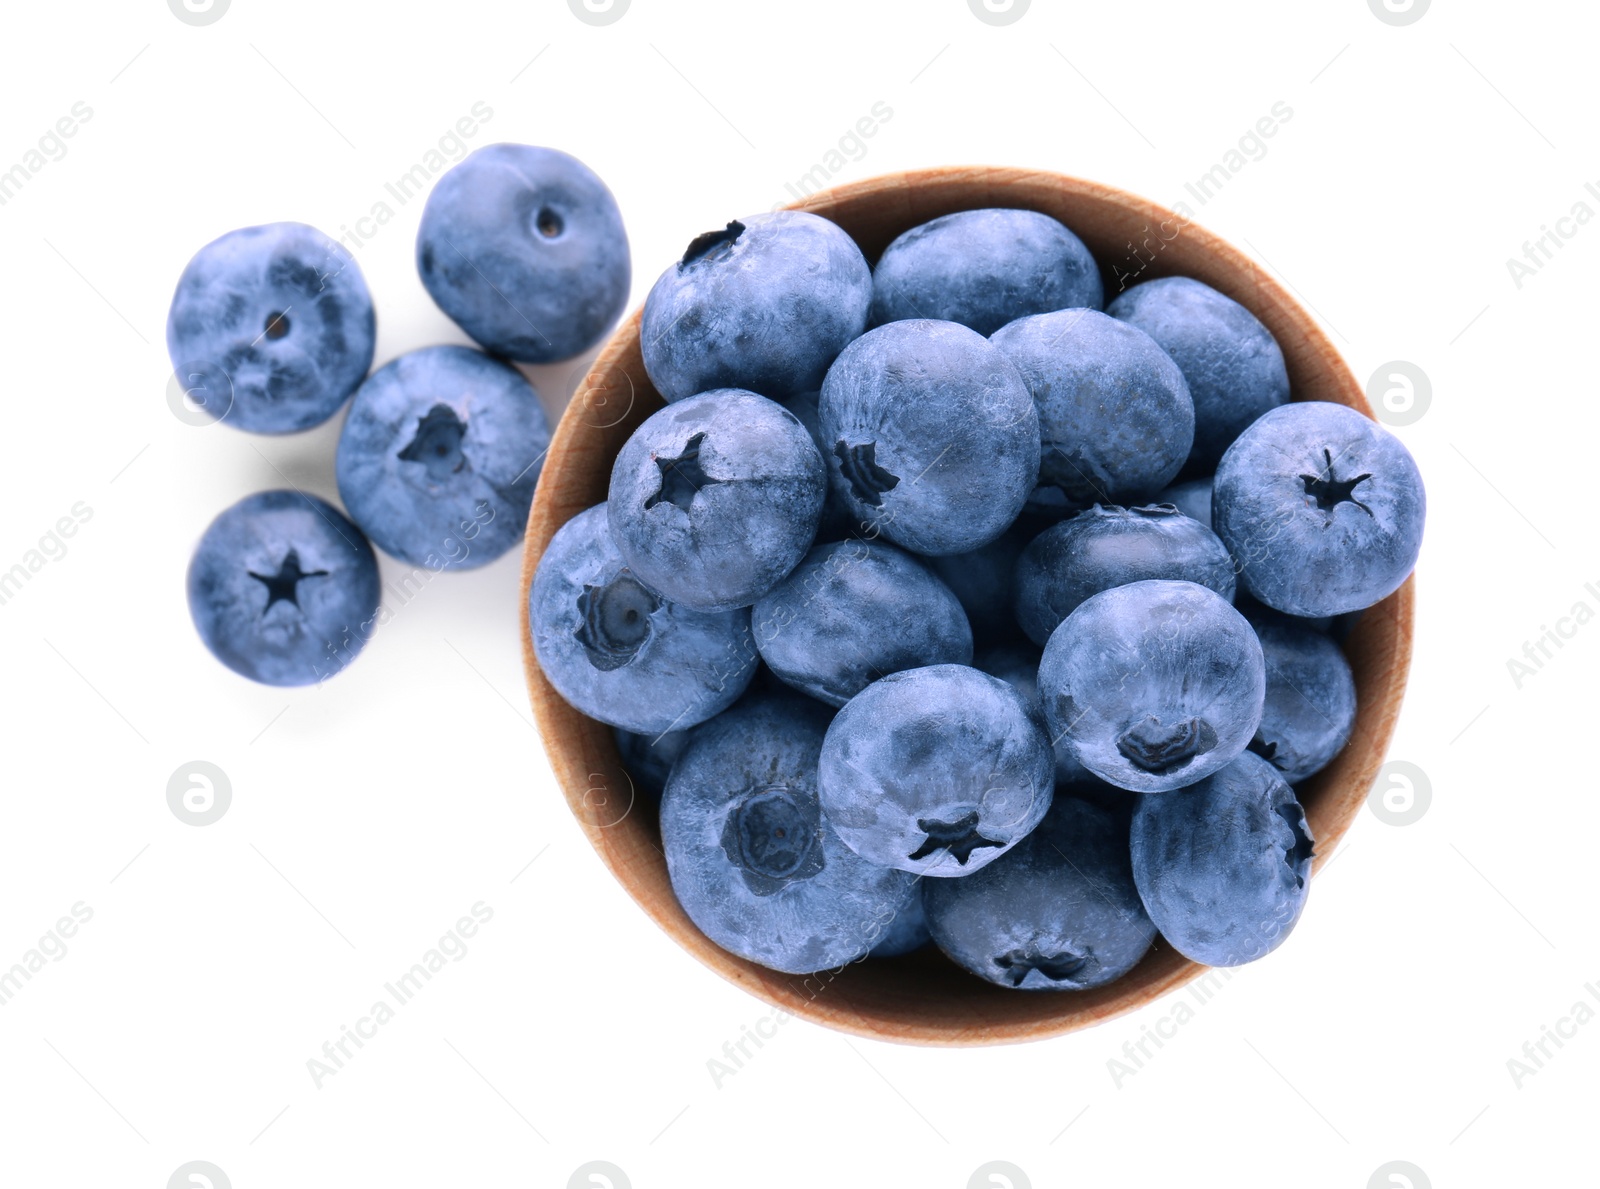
923, 998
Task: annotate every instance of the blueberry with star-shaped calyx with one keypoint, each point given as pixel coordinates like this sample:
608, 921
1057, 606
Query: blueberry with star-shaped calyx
283, 589
1321, 508
716, 498
938, 770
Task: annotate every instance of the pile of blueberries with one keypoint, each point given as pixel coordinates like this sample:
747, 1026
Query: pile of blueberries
271, 331
942, 604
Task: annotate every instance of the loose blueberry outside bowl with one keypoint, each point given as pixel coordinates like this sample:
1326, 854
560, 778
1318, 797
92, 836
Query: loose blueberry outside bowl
923, 998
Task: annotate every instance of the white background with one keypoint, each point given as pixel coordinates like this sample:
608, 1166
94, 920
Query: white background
370, 814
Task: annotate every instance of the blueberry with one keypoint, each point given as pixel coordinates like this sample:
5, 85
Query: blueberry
750, 852
282, 315
907, 932
1192, 497
765, 304
1310, 706
1232, 363
1224, 866
984, 268
283, 589
619, 652
1115, 417
524, 249
937, 771
1106, 547
854, 611
985, 582
439, 455
1058, 913
714, 499
1017, 663
649, 758
1154, 684
1321, 508
935, 439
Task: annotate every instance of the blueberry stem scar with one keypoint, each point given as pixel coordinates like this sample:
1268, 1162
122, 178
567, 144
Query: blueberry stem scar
1018, 964
859, 465
681, 477
282, 586
1157, 747
616, 621
960, 838
1330, 491
712, 244
437, 443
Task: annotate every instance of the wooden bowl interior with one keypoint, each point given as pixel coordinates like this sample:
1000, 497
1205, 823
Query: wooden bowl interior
923, 998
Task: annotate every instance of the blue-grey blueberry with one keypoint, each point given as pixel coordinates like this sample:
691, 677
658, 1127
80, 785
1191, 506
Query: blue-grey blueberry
524, 249
619, 652
439, 456
936, 771
1154, 684
283, 589
275, 324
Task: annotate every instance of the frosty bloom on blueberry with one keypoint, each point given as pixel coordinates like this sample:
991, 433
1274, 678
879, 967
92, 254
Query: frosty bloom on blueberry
1154, 684
1224, 867
621, 653
984, 269
524, 249
439, 456
1321, 508
935, 438
714, 499
283, 314
937, 771
283, 589
1111, 546
1115, 417
1233, 365
765, 303
751, 854
1060, 912
854, 611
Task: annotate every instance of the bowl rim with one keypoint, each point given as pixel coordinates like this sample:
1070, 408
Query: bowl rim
592, 777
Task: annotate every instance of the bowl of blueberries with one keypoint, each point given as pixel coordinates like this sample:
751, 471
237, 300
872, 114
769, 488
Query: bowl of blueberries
963, 606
